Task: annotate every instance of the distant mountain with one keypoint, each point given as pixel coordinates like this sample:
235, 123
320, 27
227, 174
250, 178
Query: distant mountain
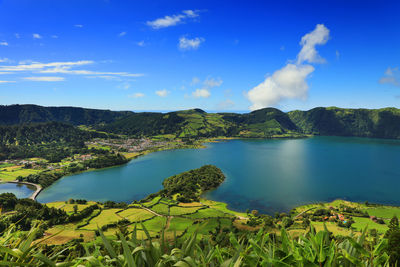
380, 123
21, 114
263, 123
197, 123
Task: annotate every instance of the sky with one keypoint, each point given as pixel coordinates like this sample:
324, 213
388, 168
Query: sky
213, 55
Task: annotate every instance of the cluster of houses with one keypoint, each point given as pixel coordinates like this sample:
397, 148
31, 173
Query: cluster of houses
128, 145
32, 164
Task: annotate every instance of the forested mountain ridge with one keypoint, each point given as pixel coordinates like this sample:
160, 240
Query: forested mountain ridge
20, 114
50, 140
196, 123
379, 123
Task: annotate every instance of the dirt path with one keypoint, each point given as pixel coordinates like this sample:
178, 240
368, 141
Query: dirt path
301, 213
168, 223
155, 213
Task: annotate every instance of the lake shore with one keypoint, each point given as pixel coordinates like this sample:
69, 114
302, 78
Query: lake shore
35, 193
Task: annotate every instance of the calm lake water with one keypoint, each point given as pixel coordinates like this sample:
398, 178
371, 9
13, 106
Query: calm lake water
19, 190
268, 175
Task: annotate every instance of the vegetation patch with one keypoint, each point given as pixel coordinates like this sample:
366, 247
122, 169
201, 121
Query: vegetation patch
106, 216
136, 215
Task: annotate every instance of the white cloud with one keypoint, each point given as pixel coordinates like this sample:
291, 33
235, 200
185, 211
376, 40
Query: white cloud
2, 60
211, 82
162, 93
7, 81
54, 36
290, 82
391, 76
36, 66
319, 36
17, 35
190, 44
172, 20
78, 25
36, 36
201, 93
337, 54
136, 95
141, 43
45, 79
64, 68
122, 34
208, 84
3, 44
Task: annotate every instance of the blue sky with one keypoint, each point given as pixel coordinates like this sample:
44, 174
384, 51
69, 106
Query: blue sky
215, 55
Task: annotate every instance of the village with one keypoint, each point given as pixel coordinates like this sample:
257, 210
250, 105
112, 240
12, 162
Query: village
13, 169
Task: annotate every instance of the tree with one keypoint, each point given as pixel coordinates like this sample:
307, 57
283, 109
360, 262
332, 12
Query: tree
8, 201
394, 247
393, 226
75, 208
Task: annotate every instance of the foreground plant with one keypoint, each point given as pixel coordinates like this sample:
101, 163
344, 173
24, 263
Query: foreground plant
259, 249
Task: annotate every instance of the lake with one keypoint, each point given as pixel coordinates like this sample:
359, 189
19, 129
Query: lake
268, 175
19, 190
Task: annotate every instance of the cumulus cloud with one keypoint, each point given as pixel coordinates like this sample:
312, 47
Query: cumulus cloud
211, 82
17, 35
290, 82
2, 60
172, 20
391, 76
162, 93
122, 34
36, 36
190, 44
136, 95
208, 84
3, 44
205, 93
45, 79
319, 36
78, 25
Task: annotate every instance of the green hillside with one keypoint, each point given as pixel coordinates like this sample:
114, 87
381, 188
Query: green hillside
380, 123
20, 114
197, 123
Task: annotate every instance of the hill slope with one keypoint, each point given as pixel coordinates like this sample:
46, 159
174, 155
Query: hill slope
380, 123
20, 114
197, 123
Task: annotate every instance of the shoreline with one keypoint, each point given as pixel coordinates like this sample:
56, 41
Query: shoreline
35, 193
199, 145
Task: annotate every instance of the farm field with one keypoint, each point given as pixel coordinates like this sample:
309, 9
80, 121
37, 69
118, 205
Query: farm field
205, 217
69, 208
105, 217
10, 173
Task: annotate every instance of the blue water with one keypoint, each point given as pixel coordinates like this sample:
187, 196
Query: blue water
19, 190
268, 175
